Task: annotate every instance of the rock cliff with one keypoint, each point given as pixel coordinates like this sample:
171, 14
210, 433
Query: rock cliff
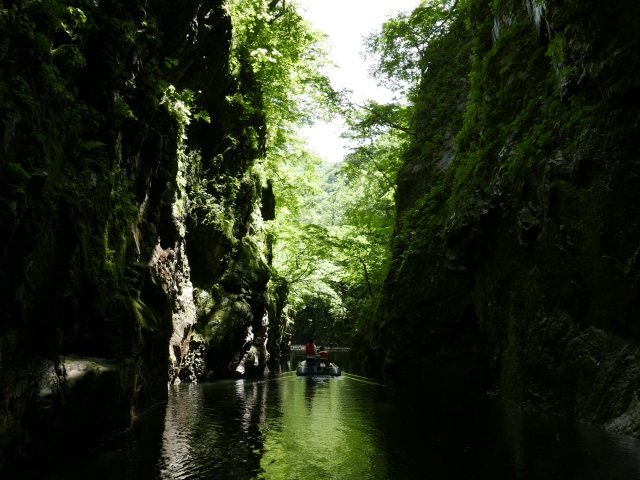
132, 249
516, 251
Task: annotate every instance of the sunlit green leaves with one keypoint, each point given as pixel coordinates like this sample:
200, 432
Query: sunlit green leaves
331, 236
287, 57
399, 47
334, 252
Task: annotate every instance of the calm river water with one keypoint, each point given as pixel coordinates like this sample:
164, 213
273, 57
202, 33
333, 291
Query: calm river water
348, 427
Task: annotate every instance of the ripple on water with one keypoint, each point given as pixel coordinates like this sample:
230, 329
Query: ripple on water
289, 427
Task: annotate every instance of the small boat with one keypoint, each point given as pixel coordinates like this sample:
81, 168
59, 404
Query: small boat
319, 369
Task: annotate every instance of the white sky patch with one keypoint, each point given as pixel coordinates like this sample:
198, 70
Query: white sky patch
347, 22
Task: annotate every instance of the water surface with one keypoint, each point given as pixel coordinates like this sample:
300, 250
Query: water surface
288, 427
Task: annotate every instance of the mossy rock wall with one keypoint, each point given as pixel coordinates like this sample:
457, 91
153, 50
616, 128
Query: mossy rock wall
515, 258
105, 242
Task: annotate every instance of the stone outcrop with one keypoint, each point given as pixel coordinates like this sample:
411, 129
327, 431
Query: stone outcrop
516, 253
129, 228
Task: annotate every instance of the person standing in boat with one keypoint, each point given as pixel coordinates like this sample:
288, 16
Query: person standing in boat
310, 350
324, 356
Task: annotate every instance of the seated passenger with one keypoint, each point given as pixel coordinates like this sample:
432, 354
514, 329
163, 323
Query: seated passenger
324, 356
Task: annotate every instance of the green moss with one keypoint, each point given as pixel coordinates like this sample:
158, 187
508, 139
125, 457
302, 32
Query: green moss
227, 317
515, 118
145, 315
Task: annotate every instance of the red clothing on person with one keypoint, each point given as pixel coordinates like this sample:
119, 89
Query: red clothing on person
310, 349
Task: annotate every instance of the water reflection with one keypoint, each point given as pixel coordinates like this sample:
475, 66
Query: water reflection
213, 428
349, 427
281, 427
325, 429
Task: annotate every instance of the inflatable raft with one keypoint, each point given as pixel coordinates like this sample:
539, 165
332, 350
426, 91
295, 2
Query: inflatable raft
319, 369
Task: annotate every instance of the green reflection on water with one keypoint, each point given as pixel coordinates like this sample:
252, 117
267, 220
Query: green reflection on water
327, 429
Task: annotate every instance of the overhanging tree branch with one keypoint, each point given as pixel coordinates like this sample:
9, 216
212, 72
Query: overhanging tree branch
378, 168
272, 6
386, 120
366, 275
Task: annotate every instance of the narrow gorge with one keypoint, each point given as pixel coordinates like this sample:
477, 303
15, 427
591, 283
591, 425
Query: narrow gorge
134, 202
